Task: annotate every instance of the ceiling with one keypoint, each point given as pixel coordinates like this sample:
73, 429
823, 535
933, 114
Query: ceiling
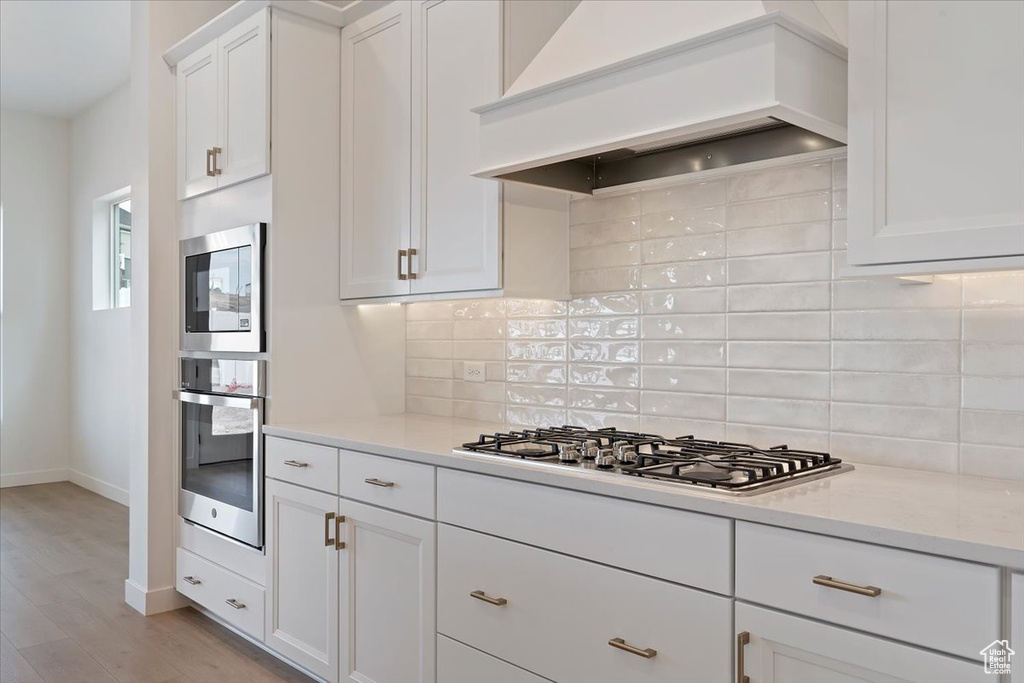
57, 57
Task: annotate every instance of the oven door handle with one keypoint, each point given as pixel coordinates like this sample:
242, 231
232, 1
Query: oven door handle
245, 402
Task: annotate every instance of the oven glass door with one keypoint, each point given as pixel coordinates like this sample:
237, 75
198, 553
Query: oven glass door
221, 468
218, 291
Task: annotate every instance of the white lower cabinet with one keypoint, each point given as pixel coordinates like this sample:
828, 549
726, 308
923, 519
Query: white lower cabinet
388, 566
458, 663
772, 647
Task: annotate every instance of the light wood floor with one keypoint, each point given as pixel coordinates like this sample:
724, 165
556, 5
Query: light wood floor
63, 562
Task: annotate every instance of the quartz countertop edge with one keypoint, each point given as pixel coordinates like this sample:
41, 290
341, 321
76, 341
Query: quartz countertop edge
971, 518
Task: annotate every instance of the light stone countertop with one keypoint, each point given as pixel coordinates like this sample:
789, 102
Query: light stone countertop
972, 518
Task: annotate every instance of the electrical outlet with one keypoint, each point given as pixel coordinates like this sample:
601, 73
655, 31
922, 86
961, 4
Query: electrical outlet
473, 371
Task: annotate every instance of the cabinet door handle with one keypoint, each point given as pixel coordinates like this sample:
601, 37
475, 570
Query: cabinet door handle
296, 463
378, 482
328, 541
191, 579
401, 255
829, 582
215, 151
338, 543
234, 603
646, 653
209, 162
480, 595
408, 264
741, 640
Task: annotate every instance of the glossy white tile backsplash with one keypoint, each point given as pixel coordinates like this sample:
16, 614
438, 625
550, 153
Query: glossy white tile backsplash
711, 307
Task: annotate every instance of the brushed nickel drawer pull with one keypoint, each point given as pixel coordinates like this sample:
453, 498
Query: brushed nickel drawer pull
646, 653
829, 582
296, 463
328, 541
338, 543
408, 265
741, 640
215, 151
209, 163
401, 254
378, 482
234, 603
191, 579
480, 595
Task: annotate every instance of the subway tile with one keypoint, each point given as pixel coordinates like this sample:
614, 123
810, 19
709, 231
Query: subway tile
815, 206
536, 329
607, 280
934, 456
765, 436
685, 326
778, 412
435, 388
592, 419
992, 428
992, 461
687, 248
944, 292
536, 394
479, 308
683, 222
682, 378
807, 267
599, 209
607, 304
607, 256
478, 329
938, 391
536, 373
533, 416
994, 359
478, 350
478, 391
802, 326
911, 325
428, 349
609, 232
839, 235
536, 350
839, 205
993, 393
605, 375
534, 308
782, 180
616, 400
935, 424
425, 405
428, 310
685, 196
676, 426
604, 352
707, 407
799, 384
690, 300
839, 173
994, 289
783, 239
476, 410
604, 328
695, 353
779, 355
897, 356
795, 296
994, 325
438, 369
693, 274
428, 330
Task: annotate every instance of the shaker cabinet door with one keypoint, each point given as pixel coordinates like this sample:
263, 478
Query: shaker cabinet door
196, 94
375, 152
936, 145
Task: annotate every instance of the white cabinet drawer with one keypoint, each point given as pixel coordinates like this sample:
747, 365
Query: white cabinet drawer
948, 605
683, 547
458, 663
561, 612
232, 598
305, 464
396, 484
234, 556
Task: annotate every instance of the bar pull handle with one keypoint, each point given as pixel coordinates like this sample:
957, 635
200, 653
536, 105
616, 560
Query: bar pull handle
209, 163
402, 253
338, 543
214, 152
378, 482
646, 653
296, 463
328, 541
234, 603
191, 579
829, 582
408, 264
742, 639
480, 595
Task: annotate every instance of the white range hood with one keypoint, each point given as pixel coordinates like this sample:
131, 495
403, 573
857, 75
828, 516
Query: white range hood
630, 90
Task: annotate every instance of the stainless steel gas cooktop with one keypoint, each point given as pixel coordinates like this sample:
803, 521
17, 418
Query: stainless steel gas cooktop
715, 466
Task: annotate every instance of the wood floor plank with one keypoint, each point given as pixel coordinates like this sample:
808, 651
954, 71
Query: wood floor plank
27, 626
13, 667
64, 661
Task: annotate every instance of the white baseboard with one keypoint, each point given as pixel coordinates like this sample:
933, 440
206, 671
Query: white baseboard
114, 493
29, 478
154, 601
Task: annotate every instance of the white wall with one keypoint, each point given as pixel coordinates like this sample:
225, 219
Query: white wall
101, 409
34, 346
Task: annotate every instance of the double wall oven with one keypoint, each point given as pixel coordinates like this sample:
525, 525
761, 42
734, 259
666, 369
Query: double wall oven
222, 383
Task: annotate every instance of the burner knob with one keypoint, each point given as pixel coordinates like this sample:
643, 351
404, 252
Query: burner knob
606, 459
625, 453
568, 454
592, 451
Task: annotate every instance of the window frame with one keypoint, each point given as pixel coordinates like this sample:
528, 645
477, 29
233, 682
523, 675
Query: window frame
114, 230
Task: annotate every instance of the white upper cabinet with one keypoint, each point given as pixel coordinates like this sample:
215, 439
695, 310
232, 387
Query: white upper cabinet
223, 109
376, 120
936, 141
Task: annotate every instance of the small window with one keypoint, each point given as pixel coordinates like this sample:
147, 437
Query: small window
121, 256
